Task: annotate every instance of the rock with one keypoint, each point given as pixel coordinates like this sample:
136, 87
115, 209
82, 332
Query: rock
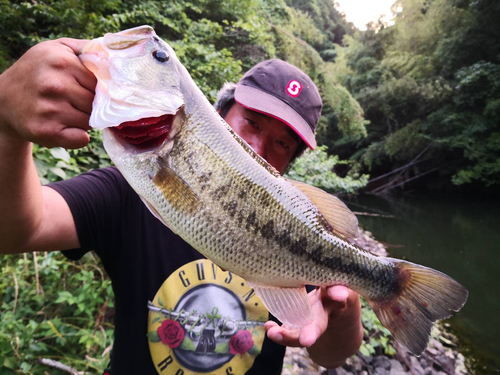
308, 372
396, 372
382, 362
339, 371
368, 359
396, 366
354, 364
436, 344
445, 363
380, 371
423, 362
416, 365
432, 351
460, 368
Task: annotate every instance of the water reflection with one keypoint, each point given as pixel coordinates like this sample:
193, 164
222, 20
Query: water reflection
460, 237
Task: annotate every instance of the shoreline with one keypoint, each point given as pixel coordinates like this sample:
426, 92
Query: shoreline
440, 358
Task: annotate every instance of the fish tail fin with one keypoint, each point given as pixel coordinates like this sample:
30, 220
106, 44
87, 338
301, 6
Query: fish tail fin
424, 295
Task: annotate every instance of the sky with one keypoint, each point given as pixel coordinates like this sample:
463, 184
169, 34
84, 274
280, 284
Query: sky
360, 12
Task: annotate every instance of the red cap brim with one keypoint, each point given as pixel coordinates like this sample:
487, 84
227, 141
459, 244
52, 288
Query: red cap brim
260, 101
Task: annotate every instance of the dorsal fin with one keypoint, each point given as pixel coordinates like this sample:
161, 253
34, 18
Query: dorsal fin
336, 213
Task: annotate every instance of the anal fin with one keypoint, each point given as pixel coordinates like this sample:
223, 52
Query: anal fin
289, 305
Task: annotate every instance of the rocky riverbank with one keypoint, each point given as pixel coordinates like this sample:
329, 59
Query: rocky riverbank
440, 357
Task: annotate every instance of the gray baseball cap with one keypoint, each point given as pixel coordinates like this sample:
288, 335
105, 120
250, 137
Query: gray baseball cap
283, 91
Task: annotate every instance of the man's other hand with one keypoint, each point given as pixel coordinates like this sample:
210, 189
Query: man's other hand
334, 334
47, 95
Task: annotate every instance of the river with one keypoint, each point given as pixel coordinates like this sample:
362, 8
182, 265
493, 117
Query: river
460, 237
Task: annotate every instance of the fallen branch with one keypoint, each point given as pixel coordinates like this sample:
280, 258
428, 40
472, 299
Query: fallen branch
35, 261
401, 171
417, 176
59, 366
410, 164
16, 289
371, 214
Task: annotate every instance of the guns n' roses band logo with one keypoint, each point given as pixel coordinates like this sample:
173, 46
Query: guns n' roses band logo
205, 320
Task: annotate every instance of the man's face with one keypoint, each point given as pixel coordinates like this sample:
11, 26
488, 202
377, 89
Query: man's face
269, 137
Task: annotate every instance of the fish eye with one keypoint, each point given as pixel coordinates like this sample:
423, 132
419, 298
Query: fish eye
160, 55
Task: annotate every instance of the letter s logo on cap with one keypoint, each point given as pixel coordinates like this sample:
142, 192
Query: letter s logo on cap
293, 88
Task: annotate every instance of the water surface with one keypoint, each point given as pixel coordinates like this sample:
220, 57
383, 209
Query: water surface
457, 236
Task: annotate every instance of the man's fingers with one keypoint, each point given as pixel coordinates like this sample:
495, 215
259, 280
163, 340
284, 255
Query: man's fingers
309, 334
57, 115
81, 99
72, 138
65, 128
306, 336
283, 336
75, 44
82, 75
338, 293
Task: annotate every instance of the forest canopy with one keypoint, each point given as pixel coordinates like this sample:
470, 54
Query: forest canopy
422, 93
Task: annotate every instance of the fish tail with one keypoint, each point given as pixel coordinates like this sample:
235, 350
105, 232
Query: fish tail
422, 296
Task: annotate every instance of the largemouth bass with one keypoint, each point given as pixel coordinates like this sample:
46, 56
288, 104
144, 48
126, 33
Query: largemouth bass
207, 185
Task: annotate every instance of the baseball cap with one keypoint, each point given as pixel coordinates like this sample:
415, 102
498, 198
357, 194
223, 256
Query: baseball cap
283, 91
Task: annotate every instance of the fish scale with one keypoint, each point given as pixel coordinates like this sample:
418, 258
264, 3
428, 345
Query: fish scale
272, 265
207, 185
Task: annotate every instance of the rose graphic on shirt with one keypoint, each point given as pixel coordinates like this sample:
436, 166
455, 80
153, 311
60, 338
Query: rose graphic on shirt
241, 342
171, 333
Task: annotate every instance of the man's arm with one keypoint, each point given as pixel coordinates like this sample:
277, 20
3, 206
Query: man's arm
46, 98
334, 335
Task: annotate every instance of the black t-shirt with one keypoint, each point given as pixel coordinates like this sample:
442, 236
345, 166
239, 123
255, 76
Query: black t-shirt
205, 321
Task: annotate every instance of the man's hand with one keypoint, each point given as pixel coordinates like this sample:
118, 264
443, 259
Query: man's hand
334, 334
47, 96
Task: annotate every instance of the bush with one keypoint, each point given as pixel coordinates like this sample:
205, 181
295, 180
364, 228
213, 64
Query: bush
316, 168
54, 308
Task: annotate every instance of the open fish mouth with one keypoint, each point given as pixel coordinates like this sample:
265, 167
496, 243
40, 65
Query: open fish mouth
146, 133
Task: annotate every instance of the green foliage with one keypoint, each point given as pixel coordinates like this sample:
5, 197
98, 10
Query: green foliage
52, 308
431, 77
317, 168
406, 142
59, 164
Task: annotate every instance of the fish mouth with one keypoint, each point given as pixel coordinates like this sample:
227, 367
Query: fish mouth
146, 133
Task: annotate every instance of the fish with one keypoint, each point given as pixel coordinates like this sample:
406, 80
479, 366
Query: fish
206, 184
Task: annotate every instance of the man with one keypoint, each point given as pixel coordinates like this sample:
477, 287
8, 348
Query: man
46, 98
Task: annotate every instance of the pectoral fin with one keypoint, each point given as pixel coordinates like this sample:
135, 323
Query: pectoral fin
336, 213
175, 189
290, 305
